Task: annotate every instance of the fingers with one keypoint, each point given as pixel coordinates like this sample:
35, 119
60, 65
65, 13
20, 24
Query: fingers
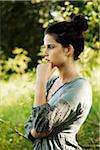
40, 134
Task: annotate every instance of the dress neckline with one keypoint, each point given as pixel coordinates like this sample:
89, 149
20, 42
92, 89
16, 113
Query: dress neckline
73, 80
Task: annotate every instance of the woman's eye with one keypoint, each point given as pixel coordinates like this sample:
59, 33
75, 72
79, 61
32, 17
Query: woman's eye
50, 46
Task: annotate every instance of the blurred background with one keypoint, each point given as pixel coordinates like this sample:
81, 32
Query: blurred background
22, 25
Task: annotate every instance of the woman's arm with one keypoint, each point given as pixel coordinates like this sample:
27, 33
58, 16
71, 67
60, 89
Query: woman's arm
40, 99
40, 93
43, 72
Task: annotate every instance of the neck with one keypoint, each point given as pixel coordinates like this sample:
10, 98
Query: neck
67, 72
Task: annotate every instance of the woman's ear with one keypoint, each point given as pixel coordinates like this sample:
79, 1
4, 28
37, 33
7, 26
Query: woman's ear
69, 51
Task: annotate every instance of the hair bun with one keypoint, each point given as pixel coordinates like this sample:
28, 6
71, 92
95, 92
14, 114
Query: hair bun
80, 22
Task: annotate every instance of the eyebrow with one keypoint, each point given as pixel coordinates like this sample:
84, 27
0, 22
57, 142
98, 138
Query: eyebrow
50, 44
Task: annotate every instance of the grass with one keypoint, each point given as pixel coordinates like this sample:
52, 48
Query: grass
16, 99
89, 132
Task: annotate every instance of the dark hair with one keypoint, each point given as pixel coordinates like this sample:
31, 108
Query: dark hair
70, 33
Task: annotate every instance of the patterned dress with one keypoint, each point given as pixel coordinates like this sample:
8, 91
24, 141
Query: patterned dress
64, 113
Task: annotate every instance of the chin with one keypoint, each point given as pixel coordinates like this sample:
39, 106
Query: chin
55, 65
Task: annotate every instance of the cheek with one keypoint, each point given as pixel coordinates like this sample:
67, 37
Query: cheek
58, 58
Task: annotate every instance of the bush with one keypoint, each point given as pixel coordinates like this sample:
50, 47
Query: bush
18, 64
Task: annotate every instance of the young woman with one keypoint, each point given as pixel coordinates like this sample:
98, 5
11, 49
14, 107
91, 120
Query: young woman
62, 102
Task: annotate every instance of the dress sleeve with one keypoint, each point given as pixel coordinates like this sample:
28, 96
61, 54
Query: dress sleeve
46, 117
35, 111
37, 120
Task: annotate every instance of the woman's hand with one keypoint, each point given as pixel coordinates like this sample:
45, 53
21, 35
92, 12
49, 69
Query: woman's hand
44, 71
40, 134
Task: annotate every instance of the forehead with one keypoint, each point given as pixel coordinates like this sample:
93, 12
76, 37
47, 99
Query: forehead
49, 39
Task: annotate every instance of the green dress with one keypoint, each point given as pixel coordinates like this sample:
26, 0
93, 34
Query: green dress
64, 113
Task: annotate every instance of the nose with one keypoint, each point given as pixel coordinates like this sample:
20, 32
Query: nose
45, 52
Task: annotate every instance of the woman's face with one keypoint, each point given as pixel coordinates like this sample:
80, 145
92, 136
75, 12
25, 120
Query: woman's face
54, 52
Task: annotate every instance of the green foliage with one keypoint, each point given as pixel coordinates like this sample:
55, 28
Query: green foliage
19, 27
9, 140
16, 100
89, 63
91, 11
56, 13
89, 132
17, 65
20, 62
17, 93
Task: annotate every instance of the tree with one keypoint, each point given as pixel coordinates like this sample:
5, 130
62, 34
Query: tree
23, 23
